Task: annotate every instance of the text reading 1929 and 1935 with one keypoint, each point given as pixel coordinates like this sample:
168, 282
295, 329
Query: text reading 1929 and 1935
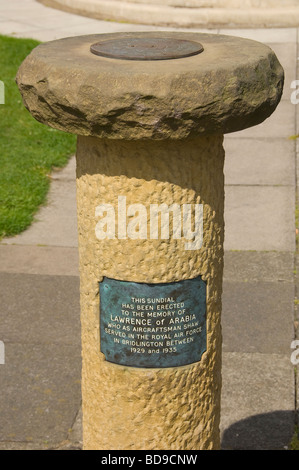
153, 325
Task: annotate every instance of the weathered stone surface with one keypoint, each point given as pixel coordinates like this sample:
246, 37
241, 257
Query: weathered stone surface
235, 83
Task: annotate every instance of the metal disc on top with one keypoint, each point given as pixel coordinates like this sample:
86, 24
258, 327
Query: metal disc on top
148, 48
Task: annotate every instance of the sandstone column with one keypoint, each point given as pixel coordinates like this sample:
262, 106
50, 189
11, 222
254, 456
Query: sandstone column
150, 111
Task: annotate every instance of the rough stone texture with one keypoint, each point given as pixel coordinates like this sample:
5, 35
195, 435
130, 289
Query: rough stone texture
126, 407
235, 83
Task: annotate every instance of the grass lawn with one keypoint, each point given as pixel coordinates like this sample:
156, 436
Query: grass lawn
28, 150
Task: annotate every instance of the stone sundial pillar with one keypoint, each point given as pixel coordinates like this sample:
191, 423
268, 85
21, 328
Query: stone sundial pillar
150, 111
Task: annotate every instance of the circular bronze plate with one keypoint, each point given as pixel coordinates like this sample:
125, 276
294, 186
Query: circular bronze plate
146, 48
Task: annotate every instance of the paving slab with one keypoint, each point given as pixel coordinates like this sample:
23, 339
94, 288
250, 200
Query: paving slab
281, 124
41, 379
40, 309
265, 35
40, 392
259, 162
258, 316
259, 218
17, 29
257, 407
49, 260
258, 399
255, 266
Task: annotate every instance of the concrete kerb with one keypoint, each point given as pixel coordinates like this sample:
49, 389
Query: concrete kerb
154, 13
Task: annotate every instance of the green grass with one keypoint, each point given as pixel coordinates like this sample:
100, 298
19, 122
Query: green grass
294, 445
28, 150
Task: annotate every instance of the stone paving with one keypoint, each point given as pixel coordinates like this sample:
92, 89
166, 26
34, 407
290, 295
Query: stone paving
39, 285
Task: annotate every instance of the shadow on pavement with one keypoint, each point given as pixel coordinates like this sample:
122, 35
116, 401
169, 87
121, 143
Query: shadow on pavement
267, 431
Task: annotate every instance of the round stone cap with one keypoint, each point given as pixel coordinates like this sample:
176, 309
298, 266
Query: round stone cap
228, 85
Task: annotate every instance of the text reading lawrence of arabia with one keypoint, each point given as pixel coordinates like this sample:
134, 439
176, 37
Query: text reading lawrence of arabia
153, 325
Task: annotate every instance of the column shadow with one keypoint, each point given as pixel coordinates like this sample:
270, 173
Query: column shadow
267, 431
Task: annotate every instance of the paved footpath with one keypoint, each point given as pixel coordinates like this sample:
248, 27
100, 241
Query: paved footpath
39, 285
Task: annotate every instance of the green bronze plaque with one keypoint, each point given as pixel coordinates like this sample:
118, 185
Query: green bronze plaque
153, 325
